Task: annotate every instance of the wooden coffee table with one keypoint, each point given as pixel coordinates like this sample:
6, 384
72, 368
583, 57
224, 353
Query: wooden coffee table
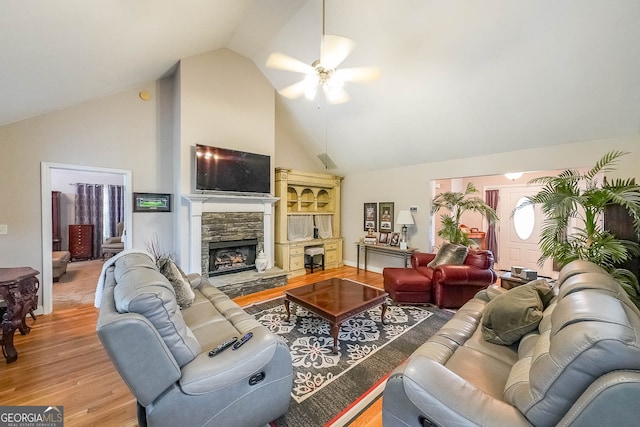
336, 300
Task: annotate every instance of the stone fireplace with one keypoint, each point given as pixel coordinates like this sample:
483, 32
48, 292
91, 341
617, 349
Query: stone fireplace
231, 220
230, 241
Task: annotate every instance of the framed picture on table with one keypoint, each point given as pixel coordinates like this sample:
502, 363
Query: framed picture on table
370, 216
386, 216
394, 240
383, 239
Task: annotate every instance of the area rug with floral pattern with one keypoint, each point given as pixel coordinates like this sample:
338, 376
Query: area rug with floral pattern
324, 383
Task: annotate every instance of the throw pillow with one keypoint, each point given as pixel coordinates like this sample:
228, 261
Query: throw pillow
511, 315
179, 281
450, 253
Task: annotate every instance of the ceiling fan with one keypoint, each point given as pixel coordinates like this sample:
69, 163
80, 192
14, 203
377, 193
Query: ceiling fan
323, 72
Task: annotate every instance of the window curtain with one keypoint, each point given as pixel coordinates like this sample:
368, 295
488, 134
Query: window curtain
323, 224
491, 197
89, 210
300, 227
115, 211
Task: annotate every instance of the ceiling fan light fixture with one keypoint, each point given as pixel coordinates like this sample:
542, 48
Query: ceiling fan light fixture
327, 79
334, 91
323, 72
311, 86
334, 83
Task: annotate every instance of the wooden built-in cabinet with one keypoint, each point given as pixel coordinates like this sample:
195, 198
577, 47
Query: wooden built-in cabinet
306, 193
81, 241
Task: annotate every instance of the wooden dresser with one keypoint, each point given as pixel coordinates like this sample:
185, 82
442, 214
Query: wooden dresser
81, 241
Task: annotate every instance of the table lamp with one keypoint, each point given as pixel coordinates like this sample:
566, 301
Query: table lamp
404, 218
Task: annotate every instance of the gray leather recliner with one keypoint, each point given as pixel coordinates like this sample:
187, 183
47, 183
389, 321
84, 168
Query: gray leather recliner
161, 352
580, 367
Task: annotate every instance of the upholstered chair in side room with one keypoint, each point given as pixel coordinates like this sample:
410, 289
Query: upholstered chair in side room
115, 244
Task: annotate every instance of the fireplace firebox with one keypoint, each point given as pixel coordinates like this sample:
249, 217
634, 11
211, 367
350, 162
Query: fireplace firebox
232, 256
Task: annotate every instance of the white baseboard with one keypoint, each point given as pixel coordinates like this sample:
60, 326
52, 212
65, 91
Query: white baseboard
369, 268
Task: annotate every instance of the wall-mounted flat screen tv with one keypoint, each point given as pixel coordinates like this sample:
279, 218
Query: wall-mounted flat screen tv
221, 169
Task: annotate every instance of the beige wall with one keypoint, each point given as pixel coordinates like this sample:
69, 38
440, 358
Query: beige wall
224, 101
120, 132
289, 151
218, 98
411, 185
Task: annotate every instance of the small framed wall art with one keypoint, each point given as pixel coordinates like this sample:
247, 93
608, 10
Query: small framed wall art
386, 216
151, 202
370, 216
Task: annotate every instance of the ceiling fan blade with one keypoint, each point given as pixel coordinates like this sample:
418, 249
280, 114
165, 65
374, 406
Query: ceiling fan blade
335, 95
283, 62
295, 90
358, 74
335, 49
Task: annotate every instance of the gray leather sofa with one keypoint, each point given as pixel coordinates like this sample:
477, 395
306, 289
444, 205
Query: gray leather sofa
161, 352
579, 367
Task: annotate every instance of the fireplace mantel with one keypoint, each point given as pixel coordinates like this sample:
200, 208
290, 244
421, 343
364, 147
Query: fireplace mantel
216, 202
230, 198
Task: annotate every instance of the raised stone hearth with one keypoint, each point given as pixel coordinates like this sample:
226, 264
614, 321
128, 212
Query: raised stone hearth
249, 282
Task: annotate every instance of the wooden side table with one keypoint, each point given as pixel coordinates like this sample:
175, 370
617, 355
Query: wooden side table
508, 281
19, 288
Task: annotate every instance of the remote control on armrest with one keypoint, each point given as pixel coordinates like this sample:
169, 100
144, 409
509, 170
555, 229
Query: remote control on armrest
243, 340
222, 346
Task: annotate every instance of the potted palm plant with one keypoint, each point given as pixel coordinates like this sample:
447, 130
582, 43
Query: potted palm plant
582, 198
456, 203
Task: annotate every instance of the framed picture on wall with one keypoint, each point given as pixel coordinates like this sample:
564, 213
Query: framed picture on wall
386, 216
370, 216
394, 240
151, 202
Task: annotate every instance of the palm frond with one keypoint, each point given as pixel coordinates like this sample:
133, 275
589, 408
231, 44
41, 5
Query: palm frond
571, 196
606, 164
629, 282
456, 203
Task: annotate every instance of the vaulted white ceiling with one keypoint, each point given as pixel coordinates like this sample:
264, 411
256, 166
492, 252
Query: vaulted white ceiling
459, 78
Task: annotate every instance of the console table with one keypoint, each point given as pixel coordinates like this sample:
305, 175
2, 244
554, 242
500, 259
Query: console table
383, 249
19, 288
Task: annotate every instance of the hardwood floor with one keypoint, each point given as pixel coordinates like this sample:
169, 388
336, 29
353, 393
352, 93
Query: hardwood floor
62, 362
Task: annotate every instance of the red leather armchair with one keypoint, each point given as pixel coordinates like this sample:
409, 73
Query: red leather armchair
448, 286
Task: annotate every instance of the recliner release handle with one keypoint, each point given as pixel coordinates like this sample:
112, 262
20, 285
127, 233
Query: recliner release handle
425, 422
256, 378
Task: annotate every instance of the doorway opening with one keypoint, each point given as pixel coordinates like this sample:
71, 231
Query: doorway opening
517, 237
48, 170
